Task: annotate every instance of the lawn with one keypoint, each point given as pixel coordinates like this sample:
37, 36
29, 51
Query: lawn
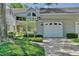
21, 47
75, 40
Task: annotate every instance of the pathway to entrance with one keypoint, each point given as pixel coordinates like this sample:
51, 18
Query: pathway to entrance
60, 47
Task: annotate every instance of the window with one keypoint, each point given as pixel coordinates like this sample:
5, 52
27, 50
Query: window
33, 14
29, 14
55, 23
59, 23
21, 18
50, 23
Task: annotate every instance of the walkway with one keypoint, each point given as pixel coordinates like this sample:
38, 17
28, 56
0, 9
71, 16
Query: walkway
60, 47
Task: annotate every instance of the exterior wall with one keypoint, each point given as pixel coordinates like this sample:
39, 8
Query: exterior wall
39, 28
68, 23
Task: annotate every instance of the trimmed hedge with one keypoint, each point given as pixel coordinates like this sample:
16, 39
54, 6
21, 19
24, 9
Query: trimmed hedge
39, 35
37, 39
29, 35
32, 35
72, 35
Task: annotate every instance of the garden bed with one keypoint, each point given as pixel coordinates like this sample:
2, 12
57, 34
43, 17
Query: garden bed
21, 48
34, 39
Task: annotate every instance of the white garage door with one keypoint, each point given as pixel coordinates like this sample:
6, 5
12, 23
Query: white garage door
53, 29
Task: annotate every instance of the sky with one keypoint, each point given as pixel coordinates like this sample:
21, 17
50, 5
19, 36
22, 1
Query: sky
60, 5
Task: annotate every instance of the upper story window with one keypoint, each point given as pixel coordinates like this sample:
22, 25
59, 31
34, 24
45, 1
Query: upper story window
33, 14
21, 18
29, 14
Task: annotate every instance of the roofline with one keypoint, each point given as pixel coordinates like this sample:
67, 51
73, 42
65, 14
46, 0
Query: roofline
48, 14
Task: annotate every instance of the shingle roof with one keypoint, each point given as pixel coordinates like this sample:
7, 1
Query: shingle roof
59, 10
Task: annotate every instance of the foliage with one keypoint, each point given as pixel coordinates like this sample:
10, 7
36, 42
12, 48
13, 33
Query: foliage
32, 35
72, 35
75, 40
34, 50
39, 35
11, 34
29, 35
16, 5
29, 25
20, 34
35, 39
21, 47
31, 49
8, 49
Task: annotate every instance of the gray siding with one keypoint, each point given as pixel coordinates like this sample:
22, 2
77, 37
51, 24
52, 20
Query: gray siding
68, 23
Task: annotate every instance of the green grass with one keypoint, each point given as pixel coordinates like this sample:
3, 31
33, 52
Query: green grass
75, 40
21, 48
8, 49
34, 50
31, 49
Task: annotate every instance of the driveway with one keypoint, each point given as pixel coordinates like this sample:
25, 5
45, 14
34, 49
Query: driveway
60, 47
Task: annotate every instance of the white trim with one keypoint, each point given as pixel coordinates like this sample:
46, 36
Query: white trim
76, 28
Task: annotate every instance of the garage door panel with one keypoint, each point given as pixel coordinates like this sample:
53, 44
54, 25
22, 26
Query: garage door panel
54, 30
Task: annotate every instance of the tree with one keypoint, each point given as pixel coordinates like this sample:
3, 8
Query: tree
16, 5
3, 25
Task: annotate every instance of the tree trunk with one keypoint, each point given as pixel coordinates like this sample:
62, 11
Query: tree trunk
3, 25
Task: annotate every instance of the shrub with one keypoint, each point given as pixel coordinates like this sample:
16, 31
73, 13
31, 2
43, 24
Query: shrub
35, 39
39, 35
18, 37
11, 34
21, 48
31, 49
20, 34
34, 50
9, 49
76, 40
29, 35
72, 35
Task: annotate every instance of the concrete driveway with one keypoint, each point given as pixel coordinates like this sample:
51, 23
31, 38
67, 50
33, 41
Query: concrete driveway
60, 47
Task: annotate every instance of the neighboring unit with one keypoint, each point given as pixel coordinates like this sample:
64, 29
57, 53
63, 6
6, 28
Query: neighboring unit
52, 22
